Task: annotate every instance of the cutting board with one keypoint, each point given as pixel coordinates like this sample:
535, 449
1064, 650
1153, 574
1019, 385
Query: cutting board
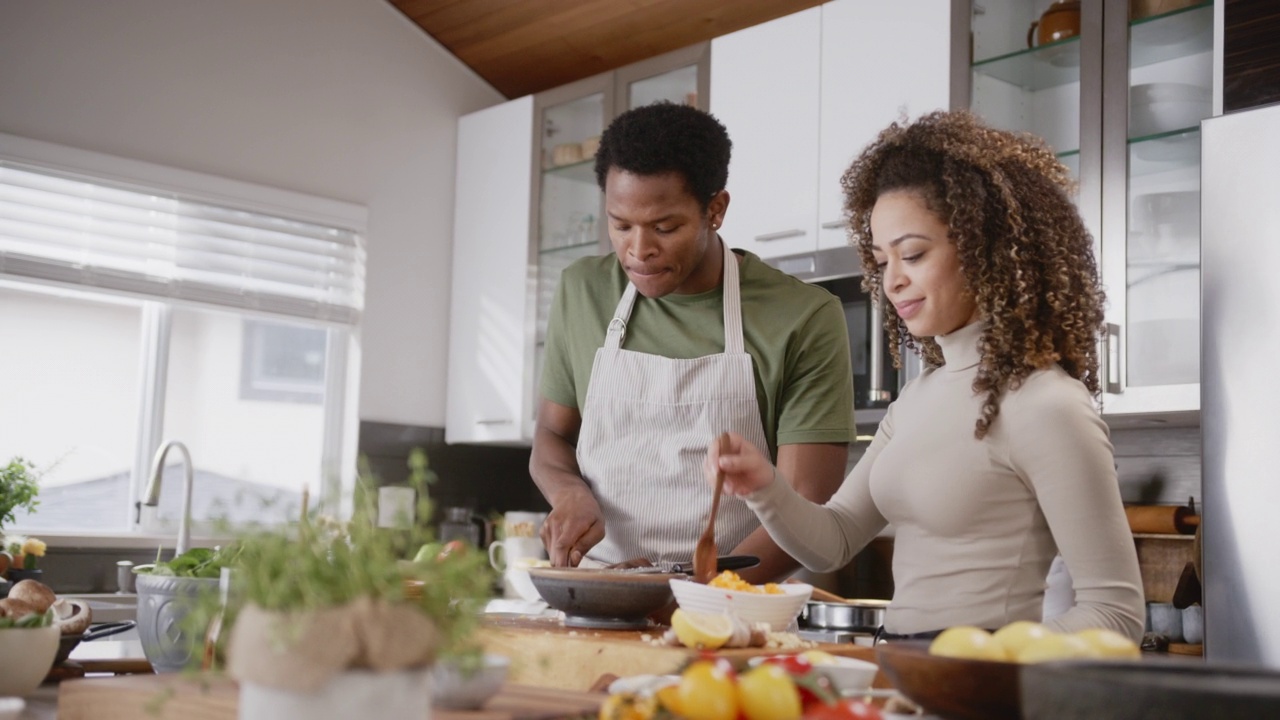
545, 653
178, 697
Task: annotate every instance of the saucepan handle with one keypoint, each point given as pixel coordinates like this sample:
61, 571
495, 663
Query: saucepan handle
107, 630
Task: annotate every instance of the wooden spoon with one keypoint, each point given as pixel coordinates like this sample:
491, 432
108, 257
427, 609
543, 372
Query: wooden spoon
705, 554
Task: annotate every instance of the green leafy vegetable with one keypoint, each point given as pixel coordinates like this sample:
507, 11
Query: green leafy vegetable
195, 563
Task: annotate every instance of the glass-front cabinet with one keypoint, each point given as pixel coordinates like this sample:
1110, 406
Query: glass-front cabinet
528, 206
1118, 89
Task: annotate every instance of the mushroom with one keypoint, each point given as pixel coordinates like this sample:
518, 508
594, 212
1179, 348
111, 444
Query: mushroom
72, 618
16, 609
33, 593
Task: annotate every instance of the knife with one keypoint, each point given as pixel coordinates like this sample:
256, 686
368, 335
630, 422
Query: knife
724, 562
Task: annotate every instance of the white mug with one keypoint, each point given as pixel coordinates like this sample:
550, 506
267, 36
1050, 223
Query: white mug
503, 553
513, 557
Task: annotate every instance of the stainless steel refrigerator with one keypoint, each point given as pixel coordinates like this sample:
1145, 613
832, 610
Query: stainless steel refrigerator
1240, 385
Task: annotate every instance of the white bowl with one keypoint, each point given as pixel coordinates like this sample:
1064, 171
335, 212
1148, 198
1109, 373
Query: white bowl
1161, 107
847, 675
454, 689
26, 654
517, 575
11, 708
777, 610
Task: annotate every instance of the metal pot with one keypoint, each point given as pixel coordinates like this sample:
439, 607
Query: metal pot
851, 615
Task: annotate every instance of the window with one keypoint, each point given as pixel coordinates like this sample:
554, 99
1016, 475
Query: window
282, 362
172, 306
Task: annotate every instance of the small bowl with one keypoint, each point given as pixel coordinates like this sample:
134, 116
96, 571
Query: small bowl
779, 610
847, 675
11, 708
26, 654
453, 689
602, 598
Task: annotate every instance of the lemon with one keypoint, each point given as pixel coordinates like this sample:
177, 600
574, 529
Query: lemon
707, 692
818, 657
1109, 643
701, 630
966, 641
1017, 635
768, 693
1056, 647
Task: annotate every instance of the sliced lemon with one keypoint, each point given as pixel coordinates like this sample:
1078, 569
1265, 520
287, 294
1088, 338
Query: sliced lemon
701, 630
818, 657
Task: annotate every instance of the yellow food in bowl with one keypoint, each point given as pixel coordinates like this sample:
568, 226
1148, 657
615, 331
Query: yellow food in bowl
730, 580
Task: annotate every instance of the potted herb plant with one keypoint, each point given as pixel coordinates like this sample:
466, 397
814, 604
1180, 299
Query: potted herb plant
19, 485
335, 623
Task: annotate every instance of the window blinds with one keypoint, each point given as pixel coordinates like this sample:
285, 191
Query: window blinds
74, 230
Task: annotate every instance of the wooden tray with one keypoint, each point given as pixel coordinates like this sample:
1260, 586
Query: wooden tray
545, 653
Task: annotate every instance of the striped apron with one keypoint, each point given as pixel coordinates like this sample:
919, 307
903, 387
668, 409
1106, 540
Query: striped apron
646, 425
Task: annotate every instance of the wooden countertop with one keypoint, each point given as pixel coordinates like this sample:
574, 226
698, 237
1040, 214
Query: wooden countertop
216, 697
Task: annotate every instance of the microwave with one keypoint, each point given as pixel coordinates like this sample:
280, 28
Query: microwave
876, 382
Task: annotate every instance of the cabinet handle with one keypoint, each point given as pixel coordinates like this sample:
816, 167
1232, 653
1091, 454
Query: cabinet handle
493, 422
834, 225
779, 235
1111, 347
877, 393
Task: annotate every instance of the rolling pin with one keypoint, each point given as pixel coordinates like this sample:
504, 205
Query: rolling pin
1162, 519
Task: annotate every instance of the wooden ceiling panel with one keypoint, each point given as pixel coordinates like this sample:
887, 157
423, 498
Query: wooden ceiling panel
527, 46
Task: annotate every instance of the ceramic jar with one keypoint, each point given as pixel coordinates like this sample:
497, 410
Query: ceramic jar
1059, 22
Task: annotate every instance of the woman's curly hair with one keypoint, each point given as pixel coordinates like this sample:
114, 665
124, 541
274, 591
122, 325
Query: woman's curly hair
1023, 248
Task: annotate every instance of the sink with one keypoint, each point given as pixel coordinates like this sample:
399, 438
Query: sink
109, 607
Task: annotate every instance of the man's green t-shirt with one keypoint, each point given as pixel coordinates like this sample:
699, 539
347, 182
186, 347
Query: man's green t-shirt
795, 333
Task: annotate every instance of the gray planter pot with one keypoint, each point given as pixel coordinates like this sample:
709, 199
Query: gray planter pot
163, 602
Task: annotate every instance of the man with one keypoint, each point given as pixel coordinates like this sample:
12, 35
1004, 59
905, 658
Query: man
656, 349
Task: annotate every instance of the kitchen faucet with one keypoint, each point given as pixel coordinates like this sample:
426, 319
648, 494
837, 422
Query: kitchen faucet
152, 495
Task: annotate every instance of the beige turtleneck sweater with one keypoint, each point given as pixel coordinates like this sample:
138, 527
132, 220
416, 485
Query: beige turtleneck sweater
978, 522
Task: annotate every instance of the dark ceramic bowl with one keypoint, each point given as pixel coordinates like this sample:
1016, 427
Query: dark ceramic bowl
952, 688
68, 643
608, 599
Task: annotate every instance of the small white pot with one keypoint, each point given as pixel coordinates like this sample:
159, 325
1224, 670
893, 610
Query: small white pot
352, 694
26, 655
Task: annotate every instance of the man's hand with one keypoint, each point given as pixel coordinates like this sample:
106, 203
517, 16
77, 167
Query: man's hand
573, 527
745, 468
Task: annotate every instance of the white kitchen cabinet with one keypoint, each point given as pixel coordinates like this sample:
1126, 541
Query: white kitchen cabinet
802, 95
880, 60
1120, 102
765, 84
489, 375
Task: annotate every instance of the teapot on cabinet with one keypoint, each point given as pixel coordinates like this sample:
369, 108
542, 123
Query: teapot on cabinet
1059, 22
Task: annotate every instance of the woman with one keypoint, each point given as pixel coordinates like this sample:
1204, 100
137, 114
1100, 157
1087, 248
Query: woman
995, 459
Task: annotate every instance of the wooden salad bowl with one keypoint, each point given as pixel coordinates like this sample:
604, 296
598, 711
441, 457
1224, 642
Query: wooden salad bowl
952, 688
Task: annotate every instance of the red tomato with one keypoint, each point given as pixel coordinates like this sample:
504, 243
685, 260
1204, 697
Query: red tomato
793, 664
451, 547
722, 663
848, 709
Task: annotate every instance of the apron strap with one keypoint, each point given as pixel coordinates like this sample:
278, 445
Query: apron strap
733, 342
618, 325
